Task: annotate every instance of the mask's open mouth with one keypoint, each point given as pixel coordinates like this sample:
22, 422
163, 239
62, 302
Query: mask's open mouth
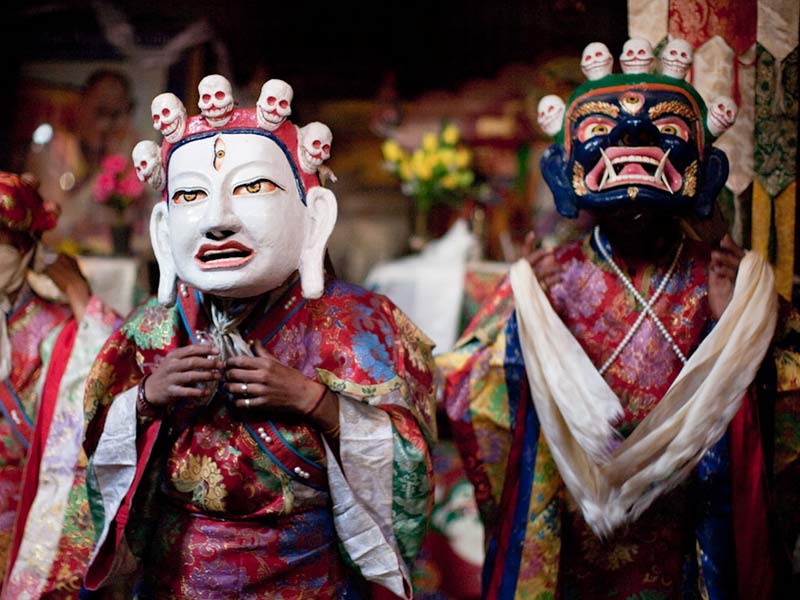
223, 256
625, 166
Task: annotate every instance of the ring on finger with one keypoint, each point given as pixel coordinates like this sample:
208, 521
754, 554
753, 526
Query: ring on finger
247, 402
244, 388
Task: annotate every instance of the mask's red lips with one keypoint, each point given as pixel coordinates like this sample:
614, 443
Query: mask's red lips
228, 255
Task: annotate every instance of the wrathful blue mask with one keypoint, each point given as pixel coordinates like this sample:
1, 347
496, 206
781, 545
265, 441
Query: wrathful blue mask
635, 139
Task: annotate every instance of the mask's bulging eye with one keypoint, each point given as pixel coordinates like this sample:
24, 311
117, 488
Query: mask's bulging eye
260, 186
594, 126
673, 126
188, 196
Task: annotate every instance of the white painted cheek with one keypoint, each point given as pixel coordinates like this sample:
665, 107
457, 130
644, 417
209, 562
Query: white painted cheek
185, 234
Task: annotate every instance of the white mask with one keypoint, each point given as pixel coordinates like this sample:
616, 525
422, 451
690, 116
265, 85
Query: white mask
235, 226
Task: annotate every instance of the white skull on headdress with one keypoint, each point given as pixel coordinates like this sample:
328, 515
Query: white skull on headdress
147, 162
721, 115
676, 58
315, 146
637, 56
274, 104
169, 116
215, 100
550, 114
597, 61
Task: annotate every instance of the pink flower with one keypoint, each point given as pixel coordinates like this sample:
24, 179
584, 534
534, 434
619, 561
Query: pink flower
114, 164
104, 187
130, 185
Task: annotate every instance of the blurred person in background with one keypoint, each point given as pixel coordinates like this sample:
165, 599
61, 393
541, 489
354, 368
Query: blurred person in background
68, 163
51, 329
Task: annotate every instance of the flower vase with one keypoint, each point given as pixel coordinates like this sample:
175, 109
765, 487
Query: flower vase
420, 236
121, 239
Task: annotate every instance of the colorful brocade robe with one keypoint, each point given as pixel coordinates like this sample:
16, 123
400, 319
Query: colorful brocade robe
213, 502
707, 538
46, 532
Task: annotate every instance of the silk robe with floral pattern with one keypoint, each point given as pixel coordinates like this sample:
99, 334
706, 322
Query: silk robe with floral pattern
683, 545
215, 501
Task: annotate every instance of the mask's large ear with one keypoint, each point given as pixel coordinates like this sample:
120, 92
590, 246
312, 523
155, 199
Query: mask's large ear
159, 237
321, 207
715, 174
554, 171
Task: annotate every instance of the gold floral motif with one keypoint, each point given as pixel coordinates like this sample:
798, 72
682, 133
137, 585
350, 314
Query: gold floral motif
578, 183
200, 476
633, 191
621, 555
7, 201
690, 179
66, 580
416, 344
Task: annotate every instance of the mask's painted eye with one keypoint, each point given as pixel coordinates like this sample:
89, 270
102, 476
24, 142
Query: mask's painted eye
594, 126
187, 196
673, 126
259, 186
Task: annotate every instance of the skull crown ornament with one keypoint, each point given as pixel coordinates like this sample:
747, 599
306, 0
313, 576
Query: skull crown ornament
637, 136
242, 205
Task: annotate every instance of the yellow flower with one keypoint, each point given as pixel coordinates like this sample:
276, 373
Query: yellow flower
450, 135
447, 156
432, 160
430, 142
405, 170
449, 181
463, 158
392, 151
423, 170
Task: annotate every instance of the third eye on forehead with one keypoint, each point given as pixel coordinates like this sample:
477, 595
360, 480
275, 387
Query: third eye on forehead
219, 153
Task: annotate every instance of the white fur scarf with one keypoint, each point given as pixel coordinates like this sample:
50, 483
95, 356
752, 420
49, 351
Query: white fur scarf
578, 410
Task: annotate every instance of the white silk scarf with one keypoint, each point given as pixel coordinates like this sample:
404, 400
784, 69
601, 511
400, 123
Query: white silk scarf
612, 480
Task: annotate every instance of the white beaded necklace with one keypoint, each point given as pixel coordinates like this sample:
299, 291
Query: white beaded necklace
647, 305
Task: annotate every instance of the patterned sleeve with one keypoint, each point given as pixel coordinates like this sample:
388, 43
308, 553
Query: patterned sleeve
114, 371
381, 481
475, 393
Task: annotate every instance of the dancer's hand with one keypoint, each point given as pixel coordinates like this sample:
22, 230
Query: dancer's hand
262, 382
183, 374
66, 274
542, 261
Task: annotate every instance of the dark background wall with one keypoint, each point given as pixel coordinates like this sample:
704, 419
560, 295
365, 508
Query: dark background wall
329, 50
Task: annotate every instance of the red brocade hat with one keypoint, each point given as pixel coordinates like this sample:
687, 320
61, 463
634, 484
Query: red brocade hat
306, 148
22, 208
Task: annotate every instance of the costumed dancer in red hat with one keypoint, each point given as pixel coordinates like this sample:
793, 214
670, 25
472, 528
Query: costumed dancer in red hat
605, 399
50, 333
